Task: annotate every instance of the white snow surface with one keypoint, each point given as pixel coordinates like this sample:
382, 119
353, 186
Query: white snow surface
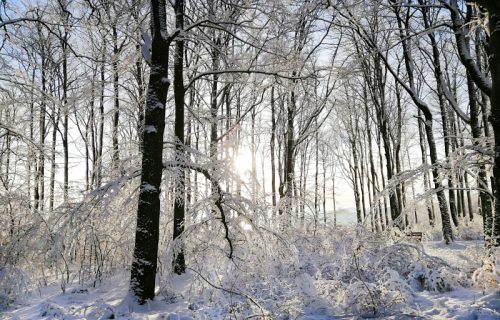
349, 275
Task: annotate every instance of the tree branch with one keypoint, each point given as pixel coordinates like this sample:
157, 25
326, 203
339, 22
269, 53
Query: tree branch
218, 190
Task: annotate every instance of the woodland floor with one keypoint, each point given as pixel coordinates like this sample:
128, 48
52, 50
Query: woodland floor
310, 293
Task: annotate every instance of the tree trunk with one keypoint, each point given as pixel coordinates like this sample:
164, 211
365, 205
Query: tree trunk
443, 108
116, 97
273, 145
179, 263
143, 271
101, 114
482, 179
493, 8
443, 205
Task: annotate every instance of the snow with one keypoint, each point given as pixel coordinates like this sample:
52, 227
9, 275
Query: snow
340, 273
150, 129
146, 47
148, 188
165, 80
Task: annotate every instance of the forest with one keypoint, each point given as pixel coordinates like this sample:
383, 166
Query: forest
248, 159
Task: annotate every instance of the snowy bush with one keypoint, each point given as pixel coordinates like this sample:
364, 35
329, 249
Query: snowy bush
99, 310
435, 278
398, 257
50, 310
473, 230
384, 297
12, 284
488, 275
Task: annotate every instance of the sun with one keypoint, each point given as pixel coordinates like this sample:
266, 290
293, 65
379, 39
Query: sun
242, 162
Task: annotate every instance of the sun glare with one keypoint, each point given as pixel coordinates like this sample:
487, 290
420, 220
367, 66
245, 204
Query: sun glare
243, 162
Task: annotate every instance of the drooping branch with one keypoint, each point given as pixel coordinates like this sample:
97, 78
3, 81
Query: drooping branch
13, 132
217, 190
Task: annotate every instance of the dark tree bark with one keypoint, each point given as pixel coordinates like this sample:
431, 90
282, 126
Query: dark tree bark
461, 30
116, 97
324, 190
373, 171
65, 88
491, 224
375, 79
427, 122
486, 205
356, 178
427, 183
39, 192
316, 176
285, 189
143, 271
55, 123
493, 8
100, 145
442, 104
179, 262
273, 146
334, 202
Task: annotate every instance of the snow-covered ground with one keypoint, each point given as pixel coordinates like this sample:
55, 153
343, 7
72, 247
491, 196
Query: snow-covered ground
348, 277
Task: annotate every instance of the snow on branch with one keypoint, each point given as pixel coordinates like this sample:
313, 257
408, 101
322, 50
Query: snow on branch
460, 29
217, 190
247, 71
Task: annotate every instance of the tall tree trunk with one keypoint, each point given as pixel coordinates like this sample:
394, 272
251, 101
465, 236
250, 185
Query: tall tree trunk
116, 99
427, 185
273, 146
334, 202
31, 152
400, 188
179, 262
493, 8
55, 124
482, 178
140, 96
253, 151
324, 190
39, 192
143, 271
65, 119
382, 178
428, 122
285, 189
101, 113
373, 171
316, 176
443, 108
362, 175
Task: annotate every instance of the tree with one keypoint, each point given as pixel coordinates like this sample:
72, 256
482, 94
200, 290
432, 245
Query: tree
143, 271
492, 89
493, 8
